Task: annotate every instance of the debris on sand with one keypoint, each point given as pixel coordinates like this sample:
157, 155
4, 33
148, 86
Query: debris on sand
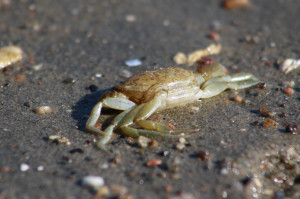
232, 4
93, 182
190, 59
10, 55
289, 65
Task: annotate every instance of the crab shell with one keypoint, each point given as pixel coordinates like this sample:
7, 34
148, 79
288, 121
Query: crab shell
177, 82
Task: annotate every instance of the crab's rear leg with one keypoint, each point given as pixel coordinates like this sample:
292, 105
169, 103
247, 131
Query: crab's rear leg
112, 100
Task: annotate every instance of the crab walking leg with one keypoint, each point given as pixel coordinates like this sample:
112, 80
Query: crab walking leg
109, 130
94, 116
114, 101
218, 84
140, 114
231, 78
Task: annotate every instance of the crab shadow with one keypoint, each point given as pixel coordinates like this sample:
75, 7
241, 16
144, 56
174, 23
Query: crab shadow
82, 109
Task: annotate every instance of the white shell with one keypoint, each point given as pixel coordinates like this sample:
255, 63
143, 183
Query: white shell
94, 182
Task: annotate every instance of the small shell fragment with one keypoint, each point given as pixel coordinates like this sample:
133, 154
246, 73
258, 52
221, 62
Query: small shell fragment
270, 123
94, 182
24, 167
231, 4
180, 58
59, 140
133, 62
289, 91
143, 141
10, 55
289, 65
42, 110
154, 162
198, 54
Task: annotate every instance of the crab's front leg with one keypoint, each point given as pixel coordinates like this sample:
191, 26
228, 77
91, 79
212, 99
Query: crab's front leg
219, 81
112, 100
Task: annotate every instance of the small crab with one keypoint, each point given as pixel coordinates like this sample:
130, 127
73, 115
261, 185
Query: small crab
145, 93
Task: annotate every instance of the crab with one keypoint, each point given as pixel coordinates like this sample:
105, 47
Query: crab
145, 93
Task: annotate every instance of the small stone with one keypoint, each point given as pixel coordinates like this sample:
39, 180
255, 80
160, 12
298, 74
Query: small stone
289, 91
130, 18
180, 146
37, 67
214, 36
266, 112
239, 99
133, 62
153, 143
125, 73
40, 168
59, 140
69, 80
102, 192
153, 162
232, 4
42, 110
143, 141
180, 58
118, 190
94, 182
203, 155
98, 75
270, 123
19, 78
24, 167
182, 140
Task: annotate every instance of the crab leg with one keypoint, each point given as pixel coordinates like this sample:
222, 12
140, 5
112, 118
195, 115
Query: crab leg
140, 114
112, 100
216, 85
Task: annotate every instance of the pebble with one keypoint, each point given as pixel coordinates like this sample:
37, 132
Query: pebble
24, 167
153, 162
180, 58
125, 73
289, 91
143, 141
130, 18
182, 140
59, 140
266, 112
42, 110
231, 4
37, 67
180, 146
69, 80
98, 75
239, 99
94, 182
270, 123
19, 78
133, 62
40, 168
